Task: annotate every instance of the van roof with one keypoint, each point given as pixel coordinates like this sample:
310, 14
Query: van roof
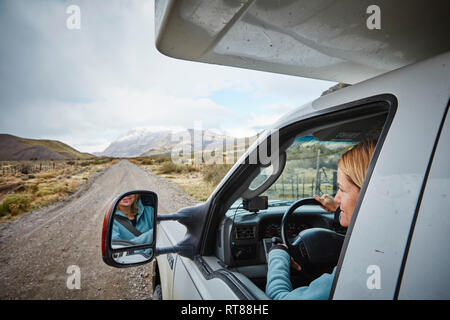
321, 39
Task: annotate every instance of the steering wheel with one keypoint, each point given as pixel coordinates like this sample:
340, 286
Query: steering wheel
313, 248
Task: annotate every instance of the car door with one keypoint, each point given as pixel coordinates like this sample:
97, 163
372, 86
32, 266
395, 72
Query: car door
379, 233
426, 264
167, 237
193, 279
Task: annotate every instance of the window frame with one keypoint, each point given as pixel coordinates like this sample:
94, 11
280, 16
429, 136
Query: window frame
219, 203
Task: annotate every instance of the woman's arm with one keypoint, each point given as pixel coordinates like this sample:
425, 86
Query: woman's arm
279, 286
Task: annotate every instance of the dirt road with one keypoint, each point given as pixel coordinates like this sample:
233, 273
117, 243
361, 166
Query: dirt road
37, 249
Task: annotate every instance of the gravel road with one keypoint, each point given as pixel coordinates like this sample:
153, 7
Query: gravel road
37, 249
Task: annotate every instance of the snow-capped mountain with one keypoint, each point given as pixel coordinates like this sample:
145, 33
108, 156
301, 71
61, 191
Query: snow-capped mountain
147, 141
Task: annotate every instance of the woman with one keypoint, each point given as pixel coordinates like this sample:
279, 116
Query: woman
352, 168
133, 221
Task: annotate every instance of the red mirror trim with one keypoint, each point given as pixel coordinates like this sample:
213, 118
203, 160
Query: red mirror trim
105, 227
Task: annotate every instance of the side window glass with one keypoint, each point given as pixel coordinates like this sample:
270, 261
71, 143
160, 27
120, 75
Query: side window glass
311, 168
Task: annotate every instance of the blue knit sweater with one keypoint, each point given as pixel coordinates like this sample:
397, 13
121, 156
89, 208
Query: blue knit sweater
279, 286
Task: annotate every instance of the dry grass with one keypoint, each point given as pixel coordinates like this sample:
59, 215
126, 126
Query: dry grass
20, 193
197, 180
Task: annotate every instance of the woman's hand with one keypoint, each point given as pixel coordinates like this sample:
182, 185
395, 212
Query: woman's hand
327, 202
294, 264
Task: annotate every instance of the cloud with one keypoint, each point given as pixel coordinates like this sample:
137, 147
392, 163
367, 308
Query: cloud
86, 87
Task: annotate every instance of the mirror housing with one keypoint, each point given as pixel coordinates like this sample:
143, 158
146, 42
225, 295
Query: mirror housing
130, 242
266, 182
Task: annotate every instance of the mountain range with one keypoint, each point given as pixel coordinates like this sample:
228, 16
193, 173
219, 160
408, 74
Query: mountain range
16, 148
148, 141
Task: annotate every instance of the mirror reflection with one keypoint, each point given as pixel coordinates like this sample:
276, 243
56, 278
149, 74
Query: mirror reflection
132, 256
133, 225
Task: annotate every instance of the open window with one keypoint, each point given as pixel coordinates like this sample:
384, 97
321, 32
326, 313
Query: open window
311, 149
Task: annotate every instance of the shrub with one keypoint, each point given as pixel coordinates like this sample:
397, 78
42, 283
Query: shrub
169, 167
188, 168
48, 175
215, 172
15, 203
71, 187
161, 158
147, 161
32, 188
25, 168
101, 161
44, 191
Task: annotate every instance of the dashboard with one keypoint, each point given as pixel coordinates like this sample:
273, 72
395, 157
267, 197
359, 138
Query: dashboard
273, 229
243, 238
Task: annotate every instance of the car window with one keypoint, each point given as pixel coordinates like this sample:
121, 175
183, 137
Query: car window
311, 168
311, 160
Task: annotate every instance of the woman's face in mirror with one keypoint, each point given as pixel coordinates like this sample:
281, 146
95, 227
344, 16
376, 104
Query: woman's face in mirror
127, 201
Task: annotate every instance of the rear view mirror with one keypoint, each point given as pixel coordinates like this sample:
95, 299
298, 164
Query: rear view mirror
129, 229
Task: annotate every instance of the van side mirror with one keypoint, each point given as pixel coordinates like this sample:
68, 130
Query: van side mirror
129, 229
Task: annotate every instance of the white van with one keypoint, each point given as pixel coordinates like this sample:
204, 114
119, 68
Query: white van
397, 243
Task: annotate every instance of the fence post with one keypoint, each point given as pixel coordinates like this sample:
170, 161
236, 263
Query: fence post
303, 185
292, 187
318, 171
319, 174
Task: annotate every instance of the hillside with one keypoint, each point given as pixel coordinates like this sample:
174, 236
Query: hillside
14, 148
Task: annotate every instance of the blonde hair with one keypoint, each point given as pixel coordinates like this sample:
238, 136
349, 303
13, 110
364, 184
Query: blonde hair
134, 206
354, 163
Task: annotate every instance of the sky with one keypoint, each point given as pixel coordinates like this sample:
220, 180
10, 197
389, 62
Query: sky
88, 86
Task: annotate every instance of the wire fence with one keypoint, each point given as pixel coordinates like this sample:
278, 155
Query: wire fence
289, 187
8, 168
